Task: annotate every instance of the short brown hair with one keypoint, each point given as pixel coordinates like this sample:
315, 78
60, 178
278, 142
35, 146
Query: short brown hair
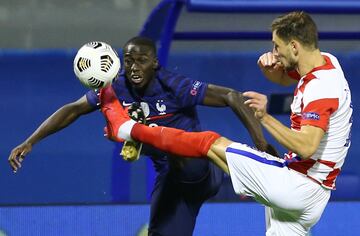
296, 25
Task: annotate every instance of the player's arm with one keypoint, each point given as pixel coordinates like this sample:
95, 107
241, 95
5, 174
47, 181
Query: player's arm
304, 142
63, 117
273, 70
222, 96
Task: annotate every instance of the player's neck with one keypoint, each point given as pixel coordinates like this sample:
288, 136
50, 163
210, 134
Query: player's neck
310, 60
145, 89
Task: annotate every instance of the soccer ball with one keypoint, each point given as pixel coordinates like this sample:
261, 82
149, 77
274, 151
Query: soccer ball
96, 64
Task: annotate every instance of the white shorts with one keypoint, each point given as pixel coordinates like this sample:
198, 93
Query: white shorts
295, 203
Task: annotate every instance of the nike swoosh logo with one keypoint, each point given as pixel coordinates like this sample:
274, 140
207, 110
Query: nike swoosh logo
125, 104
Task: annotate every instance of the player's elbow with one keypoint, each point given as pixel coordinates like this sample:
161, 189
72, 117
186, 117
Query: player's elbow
234, 97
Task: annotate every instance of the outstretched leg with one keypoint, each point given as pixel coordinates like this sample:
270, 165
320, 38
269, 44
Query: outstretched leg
189, 144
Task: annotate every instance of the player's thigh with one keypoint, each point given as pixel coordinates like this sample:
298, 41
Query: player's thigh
289, 222
267, 178
256, 174
219, 147
164, 194
280, 223
269, 181
298, 196
173, 209
204, 188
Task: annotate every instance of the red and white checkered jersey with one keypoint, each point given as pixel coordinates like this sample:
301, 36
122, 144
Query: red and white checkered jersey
322, 98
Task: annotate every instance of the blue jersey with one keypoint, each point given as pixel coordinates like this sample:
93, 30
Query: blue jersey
169, 100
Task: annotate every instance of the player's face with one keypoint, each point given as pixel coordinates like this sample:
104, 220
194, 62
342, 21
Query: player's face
140, 64
284, 53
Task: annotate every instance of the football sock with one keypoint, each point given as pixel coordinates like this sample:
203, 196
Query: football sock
175, 141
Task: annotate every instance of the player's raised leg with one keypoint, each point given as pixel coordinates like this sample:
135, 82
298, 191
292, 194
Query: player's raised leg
120, 127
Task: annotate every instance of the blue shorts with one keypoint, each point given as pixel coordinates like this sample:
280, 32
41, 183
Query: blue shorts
175, 204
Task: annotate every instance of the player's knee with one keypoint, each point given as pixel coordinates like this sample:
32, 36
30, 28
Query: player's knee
220, 145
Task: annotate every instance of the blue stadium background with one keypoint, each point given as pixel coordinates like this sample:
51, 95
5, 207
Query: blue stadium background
77, 173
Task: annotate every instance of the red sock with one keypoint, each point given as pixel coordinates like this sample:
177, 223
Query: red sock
175, 141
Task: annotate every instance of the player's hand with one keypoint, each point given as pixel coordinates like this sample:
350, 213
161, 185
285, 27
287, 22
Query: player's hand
269, 61
274, 70
270, 65
18, 154
257, 102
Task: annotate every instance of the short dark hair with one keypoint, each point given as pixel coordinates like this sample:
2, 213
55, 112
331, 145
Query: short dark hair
296, 25
143, 41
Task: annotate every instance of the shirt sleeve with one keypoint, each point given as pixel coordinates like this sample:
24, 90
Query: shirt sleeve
93, 98
317, 113
320, 102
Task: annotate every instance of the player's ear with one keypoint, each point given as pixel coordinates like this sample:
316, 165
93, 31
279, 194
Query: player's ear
294, 47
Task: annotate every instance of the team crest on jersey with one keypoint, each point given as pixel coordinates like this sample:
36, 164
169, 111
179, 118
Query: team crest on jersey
311, 116
195, 88
161, 107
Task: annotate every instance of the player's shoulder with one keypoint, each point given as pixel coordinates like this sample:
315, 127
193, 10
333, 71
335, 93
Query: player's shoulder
170, 80
327, 54
163, 74
331, 69
331, 59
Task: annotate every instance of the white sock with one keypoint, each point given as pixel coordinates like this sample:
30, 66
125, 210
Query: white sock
125, 130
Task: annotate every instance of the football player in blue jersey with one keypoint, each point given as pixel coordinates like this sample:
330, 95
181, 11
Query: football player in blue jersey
167, 99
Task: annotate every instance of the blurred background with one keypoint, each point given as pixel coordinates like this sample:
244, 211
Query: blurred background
74, 181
